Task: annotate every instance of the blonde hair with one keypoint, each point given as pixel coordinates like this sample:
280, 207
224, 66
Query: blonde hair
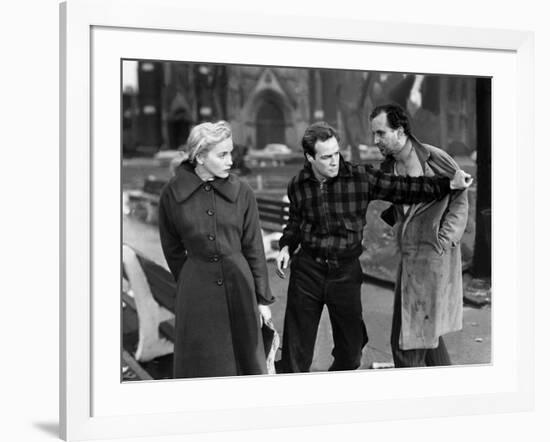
204, 136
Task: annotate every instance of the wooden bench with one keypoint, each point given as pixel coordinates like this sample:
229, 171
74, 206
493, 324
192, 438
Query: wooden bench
273, 214
273, 218
150, 291
144, 202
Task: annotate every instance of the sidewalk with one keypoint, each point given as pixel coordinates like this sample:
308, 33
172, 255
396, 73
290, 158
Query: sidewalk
471, 345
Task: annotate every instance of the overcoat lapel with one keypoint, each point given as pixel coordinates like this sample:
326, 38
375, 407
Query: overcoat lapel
423, 156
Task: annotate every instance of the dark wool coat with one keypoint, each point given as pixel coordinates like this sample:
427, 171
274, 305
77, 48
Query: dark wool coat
211, 238
430, 272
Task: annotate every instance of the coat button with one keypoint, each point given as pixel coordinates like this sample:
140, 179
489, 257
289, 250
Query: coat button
215, 258
210, 212
211, 237
219, 282
208, 187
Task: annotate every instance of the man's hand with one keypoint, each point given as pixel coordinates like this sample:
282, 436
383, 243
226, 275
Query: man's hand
265, 312
461, 180
282, 261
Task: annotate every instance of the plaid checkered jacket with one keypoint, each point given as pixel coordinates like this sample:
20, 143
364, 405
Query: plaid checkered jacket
327, 219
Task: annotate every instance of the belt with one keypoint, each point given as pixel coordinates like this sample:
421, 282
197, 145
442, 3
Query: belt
341, 259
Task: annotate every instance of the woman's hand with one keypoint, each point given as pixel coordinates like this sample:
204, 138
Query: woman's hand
265, 312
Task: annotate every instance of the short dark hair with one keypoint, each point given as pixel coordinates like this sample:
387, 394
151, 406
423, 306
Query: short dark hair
396, 115
317, 131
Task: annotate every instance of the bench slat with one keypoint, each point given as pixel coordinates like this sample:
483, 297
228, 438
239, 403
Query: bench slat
140, 196
271, 227
273, 204
141, 374
276, 211
273, 213
275, 220
154, 186
271, 200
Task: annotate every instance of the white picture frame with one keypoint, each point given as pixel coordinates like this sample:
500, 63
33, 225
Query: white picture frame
94, 404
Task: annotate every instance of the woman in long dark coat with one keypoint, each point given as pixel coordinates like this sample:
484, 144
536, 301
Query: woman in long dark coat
211, 238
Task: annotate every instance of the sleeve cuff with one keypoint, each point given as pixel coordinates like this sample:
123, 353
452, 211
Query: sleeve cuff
264, 301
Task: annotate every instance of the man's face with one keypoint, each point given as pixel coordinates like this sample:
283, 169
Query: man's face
327, 158
389, 141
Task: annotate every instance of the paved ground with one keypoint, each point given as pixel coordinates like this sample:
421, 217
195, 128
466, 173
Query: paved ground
472, 345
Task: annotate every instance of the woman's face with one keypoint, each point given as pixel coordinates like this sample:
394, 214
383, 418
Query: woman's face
217, 161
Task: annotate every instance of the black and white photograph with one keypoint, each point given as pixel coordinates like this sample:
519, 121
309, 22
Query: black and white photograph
285, 220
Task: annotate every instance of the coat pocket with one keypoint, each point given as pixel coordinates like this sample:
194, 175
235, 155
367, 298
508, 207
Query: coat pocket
445, 244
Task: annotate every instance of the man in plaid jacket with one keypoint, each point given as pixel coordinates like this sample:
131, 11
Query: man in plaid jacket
328, 204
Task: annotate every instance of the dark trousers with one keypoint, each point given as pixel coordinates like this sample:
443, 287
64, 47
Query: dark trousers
312, 285
418, 357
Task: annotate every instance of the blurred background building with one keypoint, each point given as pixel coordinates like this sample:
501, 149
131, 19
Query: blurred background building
274, 105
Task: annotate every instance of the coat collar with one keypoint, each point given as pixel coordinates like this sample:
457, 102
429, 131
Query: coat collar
421, 151
344, 170
186, 182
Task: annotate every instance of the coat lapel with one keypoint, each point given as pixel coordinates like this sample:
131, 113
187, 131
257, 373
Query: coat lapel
423, 156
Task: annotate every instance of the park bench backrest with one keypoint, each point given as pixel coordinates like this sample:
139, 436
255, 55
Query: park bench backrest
153, 185
273, 214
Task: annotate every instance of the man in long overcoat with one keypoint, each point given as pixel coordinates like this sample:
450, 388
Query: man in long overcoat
428, 295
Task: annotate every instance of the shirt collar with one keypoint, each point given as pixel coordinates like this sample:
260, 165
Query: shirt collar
186, 182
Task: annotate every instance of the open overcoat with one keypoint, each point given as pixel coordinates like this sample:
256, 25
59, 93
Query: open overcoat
212, 241
430, 271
